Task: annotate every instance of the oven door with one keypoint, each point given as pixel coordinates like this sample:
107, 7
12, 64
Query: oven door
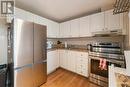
96, 71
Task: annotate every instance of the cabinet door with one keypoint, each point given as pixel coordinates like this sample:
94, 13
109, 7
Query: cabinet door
65, 29
49, 62
52, 27
40, 20
74, 28
52, 61
64, 59
85, 30
97, 22
72, 61
49, 29
55, 30
61, 54
82, 63
85, 65
57, 58
113, 22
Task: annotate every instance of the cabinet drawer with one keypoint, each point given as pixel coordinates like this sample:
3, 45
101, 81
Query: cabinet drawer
82, 60
83, 54
85, 68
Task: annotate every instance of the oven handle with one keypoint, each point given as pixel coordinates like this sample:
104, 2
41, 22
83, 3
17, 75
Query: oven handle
108, 60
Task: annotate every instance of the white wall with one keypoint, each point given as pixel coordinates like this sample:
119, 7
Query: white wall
3, 41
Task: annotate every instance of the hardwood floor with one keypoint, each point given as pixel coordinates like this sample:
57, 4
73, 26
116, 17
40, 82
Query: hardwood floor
64, 78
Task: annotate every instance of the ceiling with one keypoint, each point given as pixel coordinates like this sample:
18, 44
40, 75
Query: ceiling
62, 10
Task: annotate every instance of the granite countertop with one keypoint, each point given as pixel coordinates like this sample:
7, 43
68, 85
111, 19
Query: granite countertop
73, 49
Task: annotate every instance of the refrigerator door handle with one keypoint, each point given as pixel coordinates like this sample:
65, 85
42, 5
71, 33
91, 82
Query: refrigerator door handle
29, 65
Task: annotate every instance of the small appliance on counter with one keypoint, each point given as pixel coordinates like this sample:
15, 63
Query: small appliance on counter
49, 44
66, 45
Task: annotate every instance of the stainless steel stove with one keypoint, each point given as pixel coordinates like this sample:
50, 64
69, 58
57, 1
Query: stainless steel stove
113, 54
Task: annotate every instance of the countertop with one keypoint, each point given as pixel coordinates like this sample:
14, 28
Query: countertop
73, 49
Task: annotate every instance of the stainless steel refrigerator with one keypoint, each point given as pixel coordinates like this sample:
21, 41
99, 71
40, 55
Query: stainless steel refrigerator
29, 57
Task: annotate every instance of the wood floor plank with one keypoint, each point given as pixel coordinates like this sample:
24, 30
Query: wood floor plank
64, 78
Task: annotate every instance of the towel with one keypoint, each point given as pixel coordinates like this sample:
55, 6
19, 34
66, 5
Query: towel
103, 64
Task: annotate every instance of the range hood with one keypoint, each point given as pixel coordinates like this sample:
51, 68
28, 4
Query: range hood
108, 33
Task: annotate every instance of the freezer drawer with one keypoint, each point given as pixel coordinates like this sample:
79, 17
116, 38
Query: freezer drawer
39, 43
23, 77
23, 43
39, 74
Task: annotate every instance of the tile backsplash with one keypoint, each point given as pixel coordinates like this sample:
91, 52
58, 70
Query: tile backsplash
89, 40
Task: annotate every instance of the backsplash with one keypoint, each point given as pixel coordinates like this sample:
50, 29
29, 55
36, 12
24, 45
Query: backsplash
82, 42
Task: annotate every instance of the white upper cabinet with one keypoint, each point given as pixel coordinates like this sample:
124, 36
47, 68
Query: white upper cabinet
52, 29
75, 28
85, 30
40, 20
65, 29
97, 22
81, 27
21, 14
113, 22
55, 28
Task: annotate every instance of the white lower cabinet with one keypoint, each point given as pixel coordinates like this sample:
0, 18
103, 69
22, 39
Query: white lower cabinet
63, 56
52, 61
82, 63
74, 61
